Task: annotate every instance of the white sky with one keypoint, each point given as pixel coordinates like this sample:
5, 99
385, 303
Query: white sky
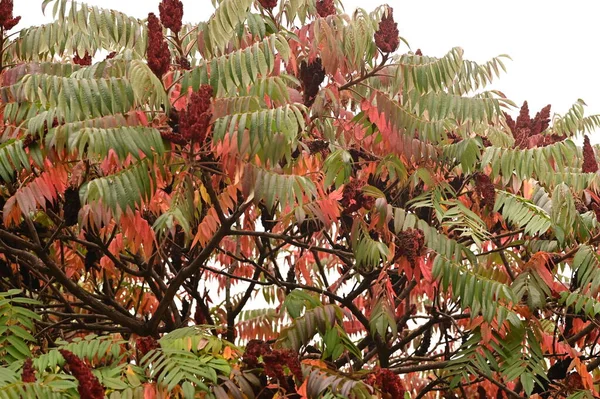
553, 44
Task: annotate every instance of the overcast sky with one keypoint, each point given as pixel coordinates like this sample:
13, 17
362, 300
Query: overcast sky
553, 44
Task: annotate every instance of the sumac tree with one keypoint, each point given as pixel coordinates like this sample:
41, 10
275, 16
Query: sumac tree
363, 220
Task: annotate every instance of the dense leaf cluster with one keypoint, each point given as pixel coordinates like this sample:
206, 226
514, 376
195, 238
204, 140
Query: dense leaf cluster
282, 201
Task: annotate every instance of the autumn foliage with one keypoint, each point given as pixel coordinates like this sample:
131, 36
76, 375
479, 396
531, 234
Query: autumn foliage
285, 201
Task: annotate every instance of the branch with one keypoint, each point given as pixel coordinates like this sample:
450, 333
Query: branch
189, 270
42, 261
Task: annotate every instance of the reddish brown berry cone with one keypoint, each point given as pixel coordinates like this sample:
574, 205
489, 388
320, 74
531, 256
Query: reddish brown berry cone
580, 206
510, 122
89, 387
521, 130
28, 374
325, 8
72, 206
184, 63
353, 198
29, 140
195, 120
254, 350
523, 120
485, 190
387, 38
590, 165
268, 4
159, 56
171, 14
387, 382
273, 361
145, 345
199, 317
527, 132
411, 243
173, 137
318, 146
596, 210
83, 61
7, 21
311, 75
541, 121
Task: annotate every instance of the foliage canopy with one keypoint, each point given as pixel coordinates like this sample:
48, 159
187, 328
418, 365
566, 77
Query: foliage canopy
363, 221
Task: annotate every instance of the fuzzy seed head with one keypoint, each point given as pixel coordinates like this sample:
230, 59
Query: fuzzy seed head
590, 165
325, 8
72, 206
411, 243
28, 374
311, 75
89, 387
159, 56
171, 14
388, 382
195, 120
485, 190
268, 4
145, 345
7, 21
387, 38
83, 61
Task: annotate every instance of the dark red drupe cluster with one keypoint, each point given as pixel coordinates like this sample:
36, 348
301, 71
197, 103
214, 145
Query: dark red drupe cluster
574, 382
72, 206
173, 137
171, 14
159, 56
596, 210
83, 61
195, 120
411, 243
311, 75
580, 206
273, 361
92, 256
590, 165
425, 343
30, 140
184, 63
387, 382
199, 317
318, 146
7, 21
89, 386
485, 189
528, 132
268, 4
28, 374
325, 8
353, 198
145, 345
387, 37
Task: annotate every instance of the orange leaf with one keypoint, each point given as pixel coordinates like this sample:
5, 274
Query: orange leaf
586, 377
315, 362
227, 353
149, 391
539, 262
302, 390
